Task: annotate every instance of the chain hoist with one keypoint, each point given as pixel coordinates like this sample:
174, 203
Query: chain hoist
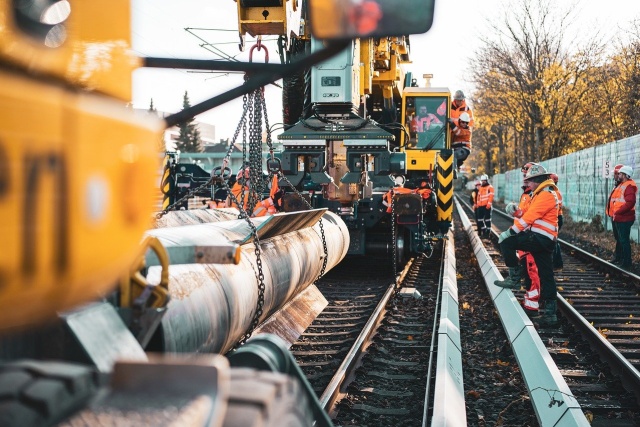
394, 240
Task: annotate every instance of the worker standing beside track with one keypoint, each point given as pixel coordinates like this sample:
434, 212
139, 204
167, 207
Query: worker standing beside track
474, 201
617, 259
535, 232
622, 208
485, 200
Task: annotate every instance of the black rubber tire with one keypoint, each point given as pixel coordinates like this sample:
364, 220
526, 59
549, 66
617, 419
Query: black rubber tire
38, 393
261, 398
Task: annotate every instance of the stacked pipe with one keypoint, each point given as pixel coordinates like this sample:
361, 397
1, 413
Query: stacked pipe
213, 305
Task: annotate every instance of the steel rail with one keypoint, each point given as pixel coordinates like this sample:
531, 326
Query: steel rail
350, 361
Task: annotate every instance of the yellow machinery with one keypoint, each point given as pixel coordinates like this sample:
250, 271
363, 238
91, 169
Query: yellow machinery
427, 143
78, 174
78, 179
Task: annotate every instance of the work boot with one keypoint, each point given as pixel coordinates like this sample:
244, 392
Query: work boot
513, 281
549, 317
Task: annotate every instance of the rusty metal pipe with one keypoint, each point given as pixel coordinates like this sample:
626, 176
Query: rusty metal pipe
212, 305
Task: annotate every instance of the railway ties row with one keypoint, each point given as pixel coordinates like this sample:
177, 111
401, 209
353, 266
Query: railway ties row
403, 356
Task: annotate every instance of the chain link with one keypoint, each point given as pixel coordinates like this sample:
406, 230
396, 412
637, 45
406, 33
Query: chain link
394, 241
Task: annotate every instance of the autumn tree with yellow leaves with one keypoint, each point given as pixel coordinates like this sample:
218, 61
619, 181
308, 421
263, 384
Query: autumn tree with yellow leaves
542, 93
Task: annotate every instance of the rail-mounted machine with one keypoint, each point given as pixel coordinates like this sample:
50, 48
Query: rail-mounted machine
102, 315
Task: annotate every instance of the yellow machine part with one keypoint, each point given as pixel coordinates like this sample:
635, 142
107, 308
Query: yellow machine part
268, 17
78, 178
444, 194
90, 49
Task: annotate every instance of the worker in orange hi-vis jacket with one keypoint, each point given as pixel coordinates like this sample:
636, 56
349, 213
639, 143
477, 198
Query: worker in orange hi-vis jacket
461, 138
243, 194
536, 231
527, 262
459, 106
484, 203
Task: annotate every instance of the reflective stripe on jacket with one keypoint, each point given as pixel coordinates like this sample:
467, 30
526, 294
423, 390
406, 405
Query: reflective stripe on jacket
485, 195
542, 214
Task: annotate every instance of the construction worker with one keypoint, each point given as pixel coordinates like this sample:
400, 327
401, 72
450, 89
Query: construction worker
459, 106
474, 199
531, 277
610, 209
243, 194
535, 232
461, 137
622, 208
423, 120
484, 203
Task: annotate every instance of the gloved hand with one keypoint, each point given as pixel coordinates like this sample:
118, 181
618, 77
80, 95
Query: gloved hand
277, 199
504, 235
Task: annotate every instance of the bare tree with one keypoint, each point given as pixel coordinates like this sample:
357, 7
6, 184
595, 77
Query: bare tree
537, 77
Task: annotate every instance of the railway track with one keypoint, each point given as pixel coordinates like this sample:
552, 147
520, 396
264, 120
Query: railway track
370, 356
596, 376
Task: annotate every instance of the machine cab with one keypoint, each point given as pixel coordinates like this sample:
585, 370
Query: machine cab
425, 111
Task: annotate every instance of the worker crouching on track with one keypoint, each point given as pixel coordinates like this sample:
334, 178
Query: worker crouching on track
535, 232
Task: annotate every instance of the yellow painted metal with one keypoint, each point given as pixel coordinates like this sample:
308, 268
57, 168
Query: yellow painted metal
77, 186
271, 20
422, 160
94, 54
166, 184
388, 76
134, 283
445, 186
366, 70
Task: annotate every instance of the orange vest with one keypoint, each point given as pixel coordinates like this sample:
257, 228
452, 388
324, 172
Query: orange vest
542, 214
242, 194
485, 195
616, 199
462, 108
422, 124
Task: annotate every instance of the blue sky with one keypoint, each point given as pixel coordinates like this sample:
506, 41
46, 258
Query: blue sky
158, 29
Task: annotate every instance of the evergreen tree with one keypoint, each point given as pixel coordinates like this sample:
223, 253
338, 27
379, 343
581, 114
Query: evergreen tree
189, 137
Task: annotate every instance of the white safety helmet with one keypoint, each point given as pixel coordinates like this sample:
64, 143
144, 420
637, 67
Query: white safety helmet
464, 117
484, 177
626, 170
459, 95
511, 208
535, 170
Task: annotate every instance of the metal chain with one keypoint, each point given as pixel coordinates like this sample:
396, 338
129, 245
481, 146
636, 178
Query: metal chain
394, 241
187, 196
255, 165
322, 235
